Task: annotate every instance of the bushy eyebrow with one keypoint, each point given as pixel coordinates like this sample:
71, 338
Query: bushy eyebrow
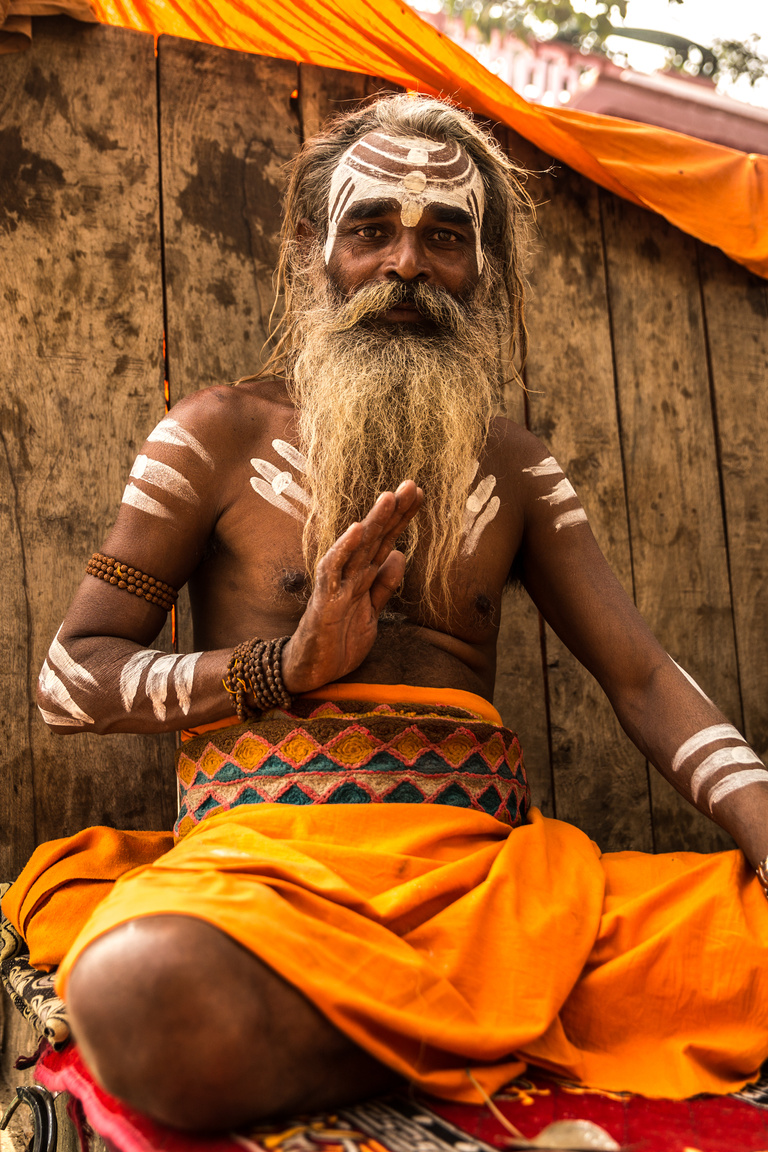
450, 214
368, 210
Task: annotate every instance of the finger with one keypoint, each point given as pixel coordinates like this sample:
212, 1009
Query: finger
388, 580
331, 566
406, 514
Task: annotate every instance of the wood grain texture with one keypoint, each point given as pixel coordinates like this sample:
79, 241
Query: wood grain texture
228, 126
736, 315
326, 92
600, 779
678, 543
80, 349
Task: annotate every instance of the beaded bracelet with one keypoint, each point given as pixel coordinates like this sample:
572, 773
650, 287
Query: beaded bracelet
132, 580
256, 667
762, 875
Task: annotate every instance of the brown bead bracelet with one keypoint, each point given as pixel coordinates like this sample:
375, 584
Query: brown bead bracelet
118, 574
256, 667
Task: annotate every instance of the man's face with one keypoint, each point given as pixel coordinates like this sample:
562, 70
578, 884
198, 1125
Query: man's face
373, 245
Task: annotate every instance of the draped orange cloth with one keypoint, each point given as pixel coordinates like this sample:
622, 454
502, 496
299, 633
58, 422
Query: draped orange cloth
440, 939
717, 194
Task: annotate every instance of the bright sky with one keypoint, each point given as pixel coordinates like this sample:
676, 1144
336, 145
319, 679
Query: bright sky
702, 20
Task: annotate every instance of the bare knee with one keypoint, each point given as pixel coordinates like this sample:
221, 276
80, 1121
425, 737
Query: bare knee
184, 1024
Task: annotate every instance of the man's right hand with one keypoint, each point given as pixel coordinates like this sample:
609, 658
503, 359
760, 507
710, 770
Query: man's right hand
354, 581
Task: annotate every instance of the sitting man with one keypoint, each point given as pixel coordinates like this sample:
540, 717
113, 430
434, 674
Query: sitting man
358, 894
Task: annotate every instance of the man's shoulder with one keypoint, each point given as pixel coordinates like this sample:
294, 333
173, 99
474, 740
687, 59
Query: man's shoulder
228, 412
514, 444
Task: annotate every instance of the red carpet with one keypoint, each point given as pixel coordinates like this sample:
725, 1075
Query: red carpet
711, 1124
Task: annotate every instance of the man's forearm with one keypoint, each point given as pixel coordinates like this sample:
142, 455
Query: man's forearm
702, 755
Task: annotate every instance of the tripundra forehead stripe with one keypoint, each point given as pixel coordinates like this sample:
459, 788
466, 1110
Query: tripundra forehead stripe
414, 171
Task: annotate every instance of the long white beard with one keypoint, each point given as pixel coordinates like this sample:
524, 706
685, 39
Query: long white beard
380, 403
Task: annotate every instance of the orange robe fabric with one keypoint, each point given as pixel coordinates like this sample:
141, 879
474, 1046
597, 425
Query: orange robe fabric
717, 194
439, 939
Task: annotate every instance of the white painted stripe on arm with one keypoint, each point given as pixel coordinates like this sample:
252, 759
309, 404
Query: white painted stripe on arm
62, 721
692, 682
735, 782
717, 760
547, 467
297, 459
169, 431
560, 493
131, 674
156, 686
138, 499
76, 673
161, 475
700, 740
56, 693
568, 519
183, 675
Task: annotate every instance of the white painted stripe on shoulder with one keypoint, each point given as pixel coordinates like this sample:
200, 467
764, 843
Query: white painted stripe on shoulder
161, 475
131, 674
717, 760
735, 782
700, 740
138, 499
73, 671
568, 519
477, 499
56, 693
183, 675
169, 431
546, 467
560, 493
62, 721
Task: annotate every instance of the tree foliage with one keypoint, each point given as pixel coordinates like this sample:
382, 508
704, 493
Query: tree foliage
589, 31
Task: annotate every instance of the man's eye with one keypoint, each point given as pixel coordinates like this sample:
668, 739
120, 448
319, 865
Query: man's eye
444, 236
369, 232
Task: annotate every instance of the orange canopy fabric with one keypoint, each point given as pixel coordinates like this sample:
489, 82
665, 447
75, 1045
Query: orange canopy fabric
716, 194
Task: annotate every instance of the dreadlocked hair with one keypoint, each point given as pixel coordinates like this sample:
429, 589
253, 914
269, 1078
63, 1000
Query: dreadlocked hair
507, 221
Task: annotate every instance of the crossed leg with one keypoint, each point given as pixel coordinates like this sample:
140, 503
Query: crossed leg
183, 1023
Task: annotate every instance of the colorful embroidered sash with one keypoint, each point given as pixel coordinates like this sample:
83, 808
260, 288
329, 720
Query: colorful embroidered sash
353, 752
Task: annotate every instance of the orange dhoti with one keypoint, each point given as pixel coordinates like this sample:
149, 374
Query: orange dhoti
441, 939
438, 939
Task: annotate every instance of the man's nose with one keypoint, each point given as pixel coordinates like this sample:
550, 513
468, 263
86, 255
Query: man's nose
405, 259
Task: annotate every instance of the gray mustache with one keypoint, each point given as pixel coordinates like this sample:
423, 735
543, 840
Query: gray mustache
373, 300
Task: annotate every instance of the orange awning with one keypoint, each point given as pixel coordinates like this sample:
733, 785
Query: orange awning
716, 194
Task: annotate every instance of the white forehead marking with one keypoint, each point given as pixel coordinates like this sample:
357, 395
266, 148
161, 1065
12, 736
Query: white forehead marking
414, 172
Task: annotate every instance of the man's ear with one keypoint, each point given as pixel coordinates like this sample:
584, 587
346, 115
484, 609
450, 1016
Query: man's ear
305, 230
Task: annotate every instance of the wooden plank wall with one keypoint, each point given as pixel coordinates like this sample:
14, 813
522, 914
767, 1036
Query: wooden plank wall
139, 196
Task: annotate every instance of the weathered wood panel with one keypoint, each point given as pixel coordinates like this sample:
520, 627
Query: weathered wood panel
600, 779
80, 352
678, 543
228, 125
736, 314
325, 92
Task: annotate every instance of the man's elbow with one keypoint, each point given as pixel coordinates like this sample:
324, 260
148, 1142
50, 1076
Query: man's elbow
58, 708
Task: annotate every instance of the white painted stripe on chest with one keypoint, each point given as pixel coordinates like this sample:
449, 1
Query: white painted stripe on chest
169, 431
74, 672
161, 475
295, 458
55, 691
479, 510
